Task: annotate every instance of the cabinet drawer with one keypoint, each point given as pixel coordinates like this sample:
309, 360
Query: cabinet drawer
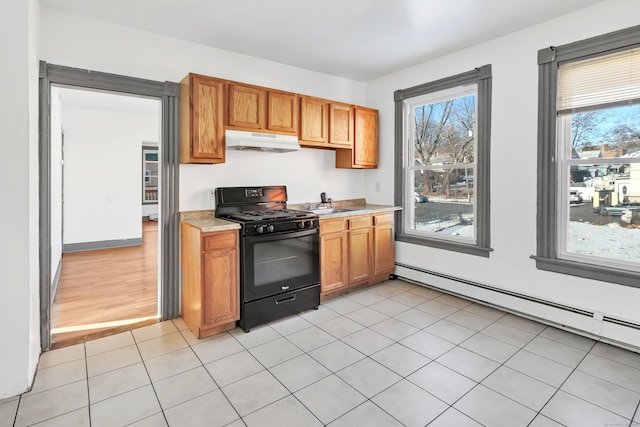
383, 218
332, 225
361, 221
220, 240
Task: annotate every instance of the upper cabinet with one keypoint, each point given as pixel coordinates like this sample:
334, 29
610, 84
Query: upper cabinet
255, 108
247, 106
341, 124
208, 106
314, 122
282, 112
202, 120
364, 154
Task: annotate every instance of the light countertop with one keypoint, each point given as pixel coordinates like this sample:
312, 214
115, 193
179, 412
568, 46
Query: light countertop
207, 222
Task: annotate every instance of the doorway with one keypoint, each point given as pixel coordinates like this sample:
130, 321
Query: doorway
104, 233
52, 76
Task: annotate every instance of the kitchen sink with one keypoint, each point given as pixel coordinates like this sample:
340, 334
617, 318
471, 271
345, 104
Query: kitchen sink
323, 211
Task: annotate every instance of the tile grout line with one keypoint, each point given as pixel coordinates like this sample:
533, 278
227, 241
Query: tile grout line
564, 381
478, 383
366, 356
216, 383
150, 380
634, 414
86, 368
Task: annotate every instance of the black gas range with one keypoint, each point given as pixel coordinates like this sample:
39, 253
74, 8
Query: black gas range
279, 253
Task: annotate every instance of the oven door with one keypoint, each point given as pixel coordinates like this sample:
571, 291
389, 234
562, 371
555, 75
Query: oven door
276, 263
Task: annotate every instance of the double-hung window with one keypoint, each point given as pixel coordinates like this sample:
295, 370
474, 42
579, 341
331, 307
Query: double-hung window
442, 162
589, 158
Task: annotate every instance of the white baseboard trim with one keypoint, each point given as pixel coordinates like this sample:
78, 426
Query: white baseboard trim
596, 326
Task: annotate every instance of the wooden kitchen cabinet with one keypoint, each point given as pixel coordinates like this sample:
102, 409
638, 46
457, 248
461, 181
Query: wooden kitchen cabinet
333, 255
355, 251
247, 107
341, 125
360, 245
383, 246
314, 122
202, 120
210, 280
364, 154
254, 108
282, 112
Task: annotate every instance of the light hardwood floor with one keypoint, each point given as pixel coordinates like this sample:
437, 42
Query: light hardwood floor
106, 291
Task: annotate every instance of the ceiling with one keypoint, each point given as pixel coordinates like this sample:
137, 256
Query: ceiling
356, 39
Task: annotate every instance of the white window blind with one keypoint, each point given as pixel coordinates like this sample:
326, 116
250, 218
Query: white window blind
598, 82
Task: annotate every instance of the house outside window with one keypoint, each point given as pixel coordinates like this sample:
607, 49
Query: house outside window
589, 158
442, 162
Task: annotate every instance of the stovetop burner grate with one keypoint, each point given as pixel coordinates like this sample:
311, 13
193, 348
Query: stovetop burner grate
268, 214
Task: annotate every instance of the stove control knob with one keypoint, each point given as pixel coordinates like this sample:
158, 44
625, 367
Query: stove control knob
259, 229
308, 224
301, 224
270, 228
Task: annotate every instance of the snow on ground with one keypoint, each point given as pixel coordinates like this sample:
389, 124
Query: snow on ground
606, 241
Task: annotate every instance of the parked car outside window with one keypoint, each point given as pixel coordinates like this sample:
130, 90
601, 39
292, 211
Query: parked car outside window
420, 198
575, 197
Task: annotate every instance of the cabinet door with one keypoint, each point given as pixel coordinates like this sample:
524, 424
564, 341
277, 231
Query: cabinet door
314, 126
247, 106
282, 112
366, 138
333, 262
341, 123
202, 120
383, 246
220, 296
359, 255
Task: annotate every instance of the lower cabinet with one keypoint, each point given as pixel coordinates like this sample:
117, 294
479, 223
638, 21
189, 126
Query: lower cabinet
355, 251
360, 249
334, 268
383, 246
210, 280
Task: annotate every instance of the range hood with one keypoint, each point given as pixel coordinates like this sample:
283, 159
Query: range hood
240, 140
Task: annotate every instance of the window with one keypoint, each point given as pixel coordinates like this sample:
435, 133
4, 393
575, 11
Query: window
442, 162
589, 158
149, 175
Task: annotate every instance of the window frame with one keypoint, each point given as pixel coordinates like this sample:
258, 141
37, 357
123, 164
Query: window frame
482, 78
548, 250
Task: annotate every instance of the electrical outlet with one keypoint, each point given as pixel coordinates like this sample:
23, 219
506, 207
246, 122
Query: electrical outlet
211, 193
377, 186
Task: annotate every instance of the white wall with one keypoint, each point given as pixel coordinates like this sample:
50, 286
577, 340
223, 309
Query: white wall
103, 173
19, 313
513, 163
79, 42
56, 180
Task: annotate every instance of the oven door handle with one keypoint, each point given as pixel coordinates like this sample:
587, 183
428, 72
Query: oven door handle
288, 299
286, 235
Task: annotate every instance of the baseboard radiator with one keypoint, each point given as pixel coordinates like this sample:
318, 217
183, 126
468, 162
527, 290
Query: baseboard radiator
597, 326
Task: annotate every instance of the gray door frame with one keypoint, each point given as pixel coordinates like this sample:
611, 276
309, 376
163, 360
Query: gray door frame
168, 93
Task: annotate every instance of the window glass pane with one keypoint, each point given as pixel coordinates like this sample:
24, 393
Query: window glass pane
443, 202
443, 131
603, 195
605, 133
604, 214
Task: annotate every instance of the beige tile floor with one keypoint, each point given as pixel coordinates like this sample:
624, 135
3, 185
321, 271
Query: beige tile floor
392, 355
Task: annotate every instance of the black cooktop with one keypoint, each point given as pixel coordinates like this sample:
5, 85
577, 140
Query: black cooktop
267, 214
